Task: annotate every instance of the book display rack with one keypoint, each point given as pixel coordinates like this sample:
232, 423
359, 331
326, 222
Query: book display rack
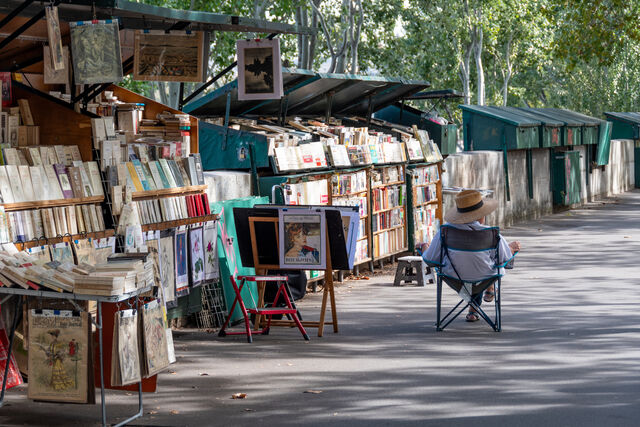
424, 198
388, 211
350, 187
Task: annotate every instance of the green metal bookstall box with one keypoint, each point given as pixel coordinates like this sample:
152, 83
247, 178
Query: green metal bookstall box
445, 136
490, 128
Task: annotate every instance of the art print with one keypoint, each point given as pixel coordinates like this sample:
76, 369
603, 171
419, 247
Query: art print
427, 147
182, 273
95, 49
196, 256
85, 252
59, 356
259, 69
128, 362
104, 248
51, 75
302, 239
210, 240
13, 375
155, 338
55, 39
176, 57
62, 253
350, 223
167, 269
153, 248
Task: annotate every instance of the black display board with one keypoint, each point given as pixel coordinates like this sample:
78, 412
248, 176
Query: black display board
266, 234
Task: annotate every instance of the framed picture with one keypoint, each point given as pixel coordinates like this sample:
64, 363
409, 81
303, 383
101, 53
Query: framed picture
196, 256
182, 271
95, 49
167, 268
350, 222
210, 243
303, 239
174, 57
259, 69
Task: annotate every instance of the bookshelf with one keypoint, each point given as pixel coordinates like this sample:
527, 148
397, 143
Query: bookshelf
165, 225
424, 198
21, 206
388, 211
21, 246
350, 187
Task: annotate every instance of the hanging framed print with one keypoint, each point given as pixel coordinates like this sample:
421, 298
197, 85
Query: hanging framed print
167, 267
54, 37
196, 256
303, 239
210, 242
182, 270
259, 69
95, 49
179, 56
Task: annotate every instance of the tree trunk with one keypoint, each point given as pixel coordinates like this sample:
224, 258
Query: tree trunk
464, 73
479, 67
356, 38
507, 74
312, 38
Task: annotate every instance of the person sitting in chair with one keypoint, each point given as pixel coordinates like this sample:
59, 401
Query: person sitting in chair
469, 214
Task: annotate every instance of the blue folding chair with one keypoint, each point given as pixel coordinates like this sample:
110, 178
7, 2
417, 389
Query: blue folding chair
470, 247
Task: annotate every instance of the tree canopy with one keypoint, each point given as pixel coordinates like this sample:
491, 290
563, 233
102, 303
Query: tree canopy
575, 54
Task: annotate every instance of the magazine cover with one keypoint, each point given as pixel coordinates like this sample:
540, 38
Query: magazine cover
302, 239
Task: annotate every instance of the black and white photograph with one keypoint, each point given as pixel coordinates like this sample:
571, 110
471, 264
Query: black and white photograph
259, 69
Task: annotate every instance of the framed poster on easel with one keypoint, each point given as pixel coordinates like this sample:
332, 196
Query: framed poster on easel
260, 234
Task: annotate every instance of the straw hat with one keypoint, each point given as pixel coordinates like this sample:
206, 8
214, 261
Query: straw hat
470, 206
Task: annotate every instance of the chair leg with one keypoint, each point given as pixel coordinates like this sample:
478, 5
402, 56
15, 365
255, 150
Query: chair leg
438, 303
498, 307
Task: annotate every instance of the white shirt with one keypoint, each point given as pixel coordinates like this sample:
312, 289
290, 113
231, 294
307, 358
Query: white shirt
471, 266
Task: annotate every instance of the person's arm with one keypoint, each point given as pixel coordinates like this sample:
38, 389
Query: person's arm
507, 251
432, 254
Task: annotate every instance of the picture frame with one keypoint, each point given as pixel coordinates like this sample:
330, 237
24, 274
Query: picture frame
196, 256
95, 49
259, 69
167, 267
181, 262
177, 56
210, 245
302, 239
55, 38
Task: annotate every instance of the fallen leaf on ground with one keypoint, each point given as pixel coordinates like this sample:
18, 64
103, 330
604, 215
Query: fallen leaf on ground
289, 364
174, 412
313, 391
239, 395
203, 374
152, 412
627, 237
172, 372
248, 410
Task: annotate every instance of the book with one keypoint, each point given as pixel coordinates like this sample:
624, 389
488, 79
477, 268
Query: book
177, 176
87, 219
162, 163
5, 186
149, 177
135, 180
34, 156
53, 184
60, 154
190, 165
94, 177
15, 182
25, 112
140, 172
87, 186
63, 180
27, 186
158, 175
183, 172
199, 169
79, 219
76, 181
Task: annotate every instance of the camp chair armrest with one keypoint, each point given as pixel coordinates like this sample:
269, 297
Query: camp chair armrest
508, 264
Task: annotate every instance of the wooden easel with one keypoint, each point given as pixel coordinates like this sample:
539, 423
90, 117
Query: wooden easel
261, 269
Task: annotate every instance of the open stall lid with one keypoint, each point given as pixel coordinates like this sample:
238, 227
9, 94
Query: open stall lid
555, 115
311, 94
631, 117
23, 29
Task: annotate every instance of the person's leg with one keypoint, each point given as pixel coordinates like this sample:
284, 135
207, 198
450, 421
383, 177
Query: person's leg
489, 294
472, 315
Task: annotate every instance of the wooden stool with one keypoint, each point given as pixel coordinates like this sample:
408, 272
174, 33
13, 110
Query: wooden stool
411, 269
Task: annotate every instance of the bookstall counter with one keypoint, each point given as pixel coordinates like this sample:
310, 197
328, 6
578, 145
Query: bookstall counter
72, 297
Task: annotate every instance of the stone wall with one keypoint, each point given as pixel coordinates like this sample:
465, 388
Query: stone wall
227, 185
485, 170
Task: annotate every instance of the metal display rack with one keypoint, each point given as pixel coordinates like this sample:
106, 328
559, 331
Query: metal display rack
72, 298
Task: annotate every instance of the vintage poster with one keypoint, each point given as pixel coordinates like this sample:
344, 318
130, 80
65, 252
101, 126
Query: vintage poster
95, 49
156, 356
210, 241
259, 69
125, 353
167, 269
55, 39
173, 57
302, 239
51, 75
13, 378
59, 356
152, 241
196, 256
182, 271
61, 252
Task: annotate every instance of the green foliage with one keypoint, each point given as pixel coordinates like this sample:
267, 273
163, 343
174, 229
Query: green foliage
576, 54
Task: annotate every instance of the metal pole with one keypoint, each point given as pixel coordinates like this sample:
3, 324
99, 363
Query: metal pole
102, 401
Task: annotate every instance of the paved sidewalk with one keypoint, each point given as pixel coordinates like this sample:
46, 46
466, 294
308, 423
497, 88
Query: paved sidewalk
569, 353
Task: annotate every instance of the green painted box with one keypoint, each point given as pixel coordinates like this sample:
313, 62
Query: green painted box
490, 128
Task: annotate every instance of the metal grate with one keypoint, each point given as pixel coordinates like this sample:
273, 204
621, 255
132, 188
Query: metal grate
214, 310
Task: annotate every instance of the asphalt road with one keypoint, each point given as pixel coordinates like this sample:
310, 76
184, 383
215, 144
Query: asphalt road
568, 355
